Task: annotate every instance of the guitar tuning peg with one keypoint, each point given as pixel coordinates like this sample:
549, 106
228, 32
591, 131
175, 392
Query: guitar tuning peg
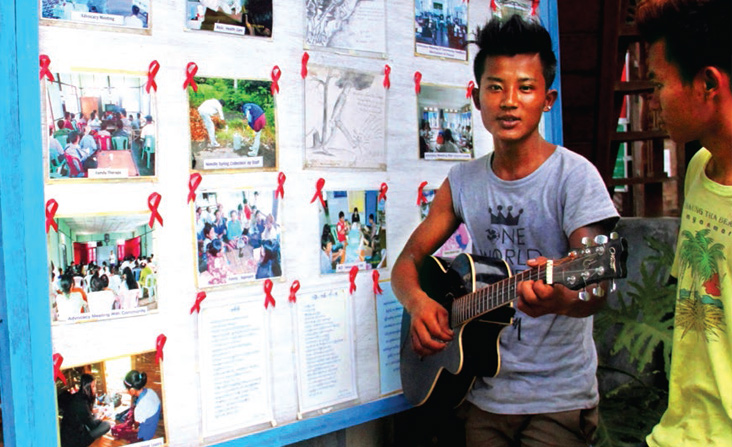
584, 296
586, 241
613, 287
601, 239
614, 236
598, 291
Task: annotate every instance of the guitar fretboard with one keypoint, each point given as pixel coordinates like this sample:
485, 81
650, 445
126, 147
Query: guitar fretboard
493, 296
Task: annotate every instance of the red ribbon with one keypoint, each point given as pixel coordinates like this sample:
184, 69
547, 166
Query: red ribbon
197, 305
57, 374
152, 71
247, 212
153, 202
421, 198
319, 192
352, 276
417, 82
45, 63
193, 183
281, 185
191, 70
387, 72
304, 69
493, 5
534, 7
469, 90
382, 192
377, 287
268, 299
159, 345
51, 208
293, 290
276, 73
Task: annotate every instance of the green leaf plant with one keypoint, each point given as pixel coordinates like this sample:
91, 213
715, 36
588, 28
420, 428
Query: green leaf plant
634, 335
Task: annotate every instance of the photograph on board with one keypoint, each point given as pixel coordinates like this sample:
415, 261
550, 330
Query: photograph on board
99, 126
352, 26
353, 231
238, 236
441, 29
112, 402
131, 14
445, 122
345, 119
459, 242
102, 267
232, 123
238, 17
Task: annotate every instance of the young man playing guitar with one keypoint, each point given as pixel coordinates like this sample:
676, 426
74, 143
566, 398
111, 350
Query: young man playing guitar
527, 201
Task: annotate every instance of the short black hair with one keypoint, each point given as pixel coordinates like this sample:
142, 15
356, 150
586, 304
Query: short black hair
697, 33
515, 36
135, 379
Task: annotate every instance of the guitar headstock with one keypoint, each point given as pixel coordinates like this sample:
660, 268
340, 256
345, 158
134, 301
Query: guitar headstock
600, 259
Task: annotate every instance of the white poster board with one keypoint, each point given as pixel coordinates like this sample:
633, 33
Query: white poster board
325, 354
235, 366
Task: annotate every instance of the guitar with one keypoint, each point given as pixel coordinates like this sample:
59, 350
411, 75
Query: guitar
478, 293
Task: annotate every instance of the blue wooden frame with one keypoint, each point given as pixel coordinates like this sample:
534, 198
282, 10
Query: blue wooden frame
553, 119
26, 371
27, 388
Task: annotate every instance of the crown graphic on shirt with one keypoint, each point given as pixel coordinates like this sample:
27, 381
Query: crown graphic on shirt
508, 219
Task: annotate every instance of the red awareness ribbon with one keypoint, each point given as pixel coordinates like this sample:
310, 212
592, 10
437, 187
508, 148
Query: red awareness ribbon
382, 192
421, 198
352, 277
493, 5
197, 305
152, 71
153, 202
193, 183
387, 72
159, 345
304, 69
276, 74
534, 7
51, 208
191, 70
45, 63
319, 192
57, 374
268, 299
293, 291
417, 82
469, 90
377, 287
281, 185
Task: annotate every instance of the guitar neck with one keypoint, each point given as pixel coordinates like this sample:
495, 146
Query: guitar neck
495, 295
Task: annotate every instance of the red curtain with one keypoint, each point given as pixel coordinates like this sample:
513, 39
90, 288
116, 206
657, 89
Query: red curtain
80, 253
132, 247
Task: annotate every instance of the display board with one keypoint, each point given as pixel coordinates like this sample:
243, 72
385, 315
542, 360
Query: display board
173, 56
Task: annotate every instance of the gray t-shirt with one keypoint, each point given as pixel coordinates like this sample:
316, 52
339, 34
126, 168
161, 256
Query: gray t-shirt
551, 366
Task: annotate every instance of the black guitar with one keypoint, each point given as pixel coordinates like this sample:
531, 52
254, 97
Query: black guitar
478, 293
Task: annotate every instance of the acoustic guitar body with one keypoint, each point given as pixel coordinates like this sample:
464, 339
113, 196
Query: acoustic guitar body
444, 379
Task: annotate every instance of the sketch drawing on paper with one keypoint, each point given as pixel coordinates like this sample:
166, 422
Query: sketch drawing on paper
344, 119
356, 25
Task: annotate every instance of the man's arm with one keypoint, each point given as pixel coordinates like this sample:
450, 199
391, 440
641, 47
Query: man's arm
429, 327
537, 298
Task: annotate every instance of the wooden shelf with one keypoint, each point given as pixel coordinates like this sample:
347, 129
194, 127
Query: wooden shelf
634, 87
638, 135
639, 180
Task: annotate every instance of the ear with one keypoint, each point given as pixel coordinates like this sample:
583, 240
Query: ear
476, 96
550, 99
713, 80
